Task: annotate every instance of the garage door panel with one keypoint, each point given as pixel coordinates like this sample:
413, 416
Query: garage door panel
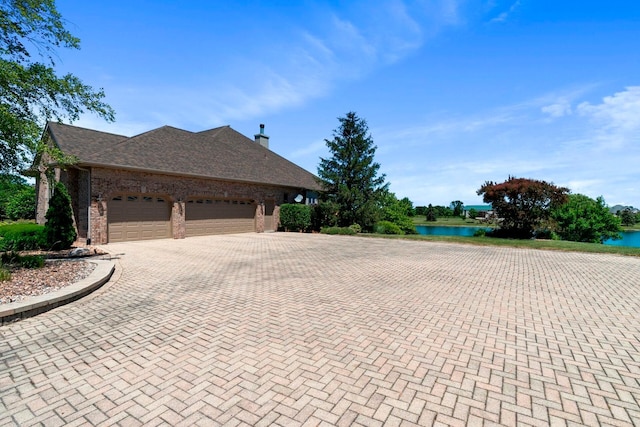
139, 217
206, 217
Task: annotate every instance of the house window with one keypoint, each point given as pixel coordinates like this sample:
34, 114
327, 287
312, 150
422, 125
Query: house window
117, 198
132, 198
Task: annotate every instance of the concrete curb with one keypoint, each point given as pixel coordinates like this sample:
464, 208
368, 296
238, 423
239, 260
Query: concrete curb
39, 304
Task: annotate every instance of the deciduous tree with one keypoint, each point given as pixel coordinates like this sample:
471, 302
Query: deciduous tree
31, 93
583, 219
456, 206
627, 217
522, 203
350, 176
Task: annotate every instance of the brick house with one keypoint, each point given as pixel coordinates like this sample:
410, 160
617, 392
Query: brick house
169, 182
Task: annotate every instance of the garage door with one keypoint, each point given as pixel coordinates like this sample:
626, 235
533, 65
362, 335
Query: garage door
138, 217
212, 216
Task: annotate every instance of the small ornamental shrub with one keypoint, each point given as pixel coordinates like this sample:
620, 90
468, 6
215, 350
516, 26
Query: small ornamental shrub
32, 261
26, 261
356, 228
345, 231
22, 237
387, 227
59, 227
5, 275
295, 217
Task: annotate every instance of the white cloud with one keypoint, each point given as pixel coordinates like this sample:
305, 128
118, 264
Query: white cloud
504, 15
559, 109
619, 112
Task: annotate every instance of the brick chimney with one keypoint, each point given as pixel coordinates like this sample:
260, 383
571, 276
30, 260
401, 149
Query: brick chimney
261, 138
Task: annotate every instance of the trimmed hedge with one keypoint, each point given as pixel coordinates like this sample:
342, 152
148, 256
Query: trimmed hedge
295, 217
346, 231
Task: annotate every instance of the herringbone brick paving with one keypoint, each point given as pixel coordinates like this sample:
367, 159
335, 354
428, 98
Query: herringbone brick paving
294, 329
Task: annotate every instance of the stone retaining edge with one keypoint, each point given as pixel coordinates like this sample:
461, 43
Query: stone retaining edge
32, 306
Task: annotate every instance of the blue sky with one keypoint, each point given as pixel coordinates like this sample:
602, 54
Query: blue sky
455, 92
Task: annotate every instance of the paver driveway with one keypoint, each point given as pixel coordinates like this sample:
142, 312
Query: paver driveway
291, 329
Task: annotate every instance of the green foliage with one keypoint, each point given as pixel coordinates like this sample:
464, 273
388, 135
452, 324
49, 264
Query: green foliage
356, 228
397, 212
420, 210
456, 208
350, 176
473, 214
443, 211
25, 261
295, 217
431, 213
5, 274
345, 231
10, 185
583, 219
59, 228
30, 91
627, 218
22, 237
324, 214
480, 232
387, 227
522, 204
22, 204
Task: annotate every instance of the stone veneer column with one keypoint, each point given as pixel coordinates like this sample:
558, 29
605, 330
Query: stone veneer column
98, 222
178, 220
260, 217
276, 217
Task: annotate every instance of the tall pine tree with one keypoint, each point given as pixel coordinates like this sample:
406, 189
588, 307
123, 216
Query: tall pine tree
350, 176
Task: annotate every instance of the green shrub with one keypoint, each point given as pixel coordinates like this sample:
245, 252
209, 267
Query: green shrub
59, 228
26, 261
294, 217
480, 232
32, 261
324, 214
5, 275
387, 227
356, 228
22, 237
346, 231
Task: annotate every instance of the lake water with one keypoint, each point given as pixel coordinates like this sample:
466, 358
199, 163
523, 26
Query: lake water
629, 238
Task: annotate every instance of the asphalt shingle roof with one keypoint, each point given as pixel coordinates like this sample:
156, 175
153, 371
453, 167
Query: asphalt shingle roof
220, 153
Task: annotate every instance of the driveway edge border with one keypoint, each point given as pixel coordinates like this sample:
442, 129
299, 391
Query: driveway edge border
33, 306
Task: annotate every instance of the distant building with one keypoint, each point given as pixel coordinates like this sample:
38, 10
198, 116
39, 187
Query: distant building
481, 210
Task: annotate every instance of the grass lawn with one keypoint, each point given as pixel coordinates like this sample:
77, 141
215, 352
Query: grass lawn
555, 245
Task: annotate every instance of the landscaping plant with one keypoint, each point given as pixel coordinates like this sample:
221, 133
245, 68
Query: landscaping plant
59, 229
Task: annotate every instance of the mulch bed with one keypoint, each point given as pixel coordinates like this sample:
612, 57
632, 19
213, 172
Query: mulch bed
59, 271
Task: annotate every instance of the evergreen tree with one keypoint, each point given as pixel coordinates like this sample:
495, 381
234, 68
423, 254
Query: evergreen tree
59, 227
350, 176
431, 213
